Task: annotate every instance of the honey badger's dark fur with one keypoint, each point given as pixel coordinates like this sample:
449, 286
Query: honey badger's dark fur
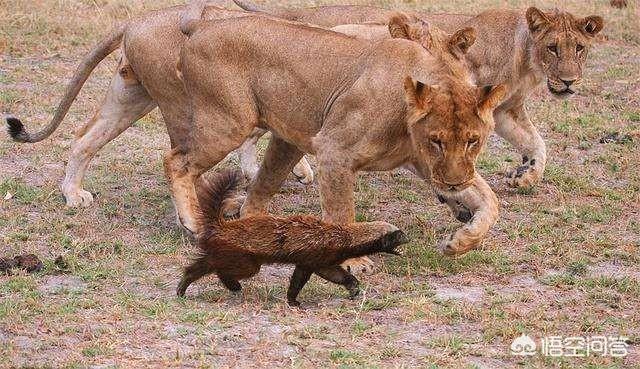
236, 249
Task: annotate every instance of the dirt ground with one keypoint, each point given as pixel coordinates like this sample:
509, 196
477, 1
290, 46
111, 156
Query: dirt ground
562, 260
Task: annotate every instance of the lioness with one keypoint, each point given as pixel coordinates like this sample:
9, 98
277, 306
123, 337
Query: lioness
519, 49
341, 99
145, 79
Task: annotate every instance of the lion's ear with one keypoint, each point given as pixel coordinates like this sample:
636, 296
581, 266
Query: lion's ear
401, 27
417, 95
462, 40
592, 24
537, 19
490, 98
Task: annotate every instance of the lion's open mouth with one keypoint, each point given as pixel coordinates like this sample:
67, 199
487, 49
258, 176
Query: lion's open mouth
560, 93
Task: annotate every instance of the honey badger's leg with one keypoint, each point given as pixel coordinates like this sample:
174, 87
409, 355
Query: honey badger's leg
230, 283
233, 267
483, 204
279, 160
126, 102
338, 275
514, 125
299, 278
192, 273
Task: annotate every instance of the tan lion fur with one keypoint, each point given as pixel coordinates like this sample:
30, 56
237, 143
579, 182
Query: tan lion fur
342, 99
145, 78
513, 47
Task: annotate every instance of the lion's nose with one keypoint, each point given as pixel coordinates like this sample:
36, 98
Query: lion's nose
568, 82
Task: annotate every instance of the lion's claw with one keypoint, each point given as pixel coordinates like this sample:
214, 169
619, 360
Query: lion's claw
451, 246
78, 198
525, 175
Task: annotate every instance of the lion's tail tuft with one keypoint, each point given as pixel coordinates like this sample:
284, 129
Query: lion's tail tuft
91, 60
16, 129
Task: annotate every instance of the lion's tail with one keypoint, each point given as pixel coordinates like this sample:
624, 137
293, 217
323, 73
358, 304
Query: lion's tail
17, 130
211, 194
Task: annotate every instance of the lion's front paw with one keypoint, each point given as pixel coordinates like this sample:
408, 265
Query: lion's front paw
303, 172
459, 210
453, 247
78, 198
526, 175
362, 265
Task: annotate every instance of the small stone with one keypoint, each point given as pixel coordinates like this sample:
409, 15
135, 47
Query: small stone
7, 264
61, 264
616, 137
56, 283
29, 262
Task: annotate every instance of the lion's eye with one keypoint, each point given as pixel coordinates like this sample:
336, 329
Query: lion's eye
579, 48
471, 143
553, 49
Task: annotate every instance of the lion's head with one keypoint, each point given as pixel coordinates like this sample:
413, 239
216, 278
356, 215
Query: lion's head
448, 126
561, 43
449, 122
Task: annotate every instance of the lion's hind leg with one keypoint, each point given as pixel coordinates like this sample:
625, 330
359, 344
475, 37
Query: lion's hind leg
249, 160
126, 102
216, 133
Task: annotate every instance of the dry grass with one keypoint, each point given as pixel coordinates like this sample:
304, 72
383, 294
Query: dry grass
563, 258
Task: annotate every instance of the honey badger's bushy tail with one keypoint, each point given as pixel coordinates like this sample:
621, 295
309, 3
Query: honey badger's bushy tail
15, 127
211, 194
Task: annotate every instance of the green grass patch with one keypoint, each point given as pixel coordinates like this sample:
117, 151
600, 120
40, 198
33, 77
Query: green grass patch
345, 357
567, 182
21, 192
624, 285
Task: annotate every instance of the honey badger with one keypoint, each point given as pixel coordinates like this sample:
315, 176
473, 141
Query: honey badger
236, 249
